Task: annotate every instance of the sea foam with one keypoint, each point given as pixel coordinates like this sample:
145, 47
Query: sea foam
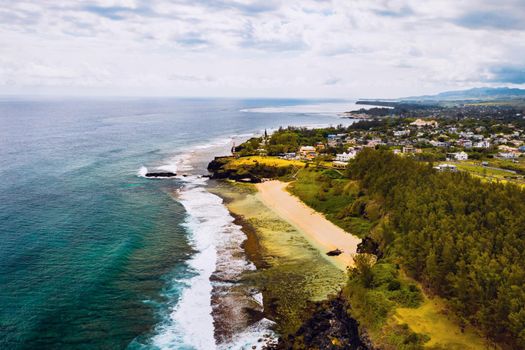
219, 260
190, 323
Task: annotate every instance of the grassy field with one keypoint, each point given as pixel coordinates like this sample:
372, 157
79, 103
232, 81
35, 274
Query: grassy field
432, 319
268, 161
491, 173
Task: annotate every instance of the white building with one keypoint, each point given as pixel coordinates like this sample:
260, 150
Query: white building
482, 144
508, 155
422, 123
307, 152
460, 156
399, 133
446, 167
345, 157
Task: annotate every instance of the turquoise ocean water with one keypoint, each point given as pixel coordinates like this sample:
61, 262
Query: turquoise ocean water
94, 256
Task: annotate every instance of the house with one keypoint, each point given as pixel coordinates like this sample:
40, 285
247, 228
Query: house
482, 144
374, 142
400, 133
459, 155
465, 143
289, 156
446, 167
307, 152
335, 140
422, 123
508, 155
319, 146
478, 137
439, 143
408, 149
339, 165
345, 157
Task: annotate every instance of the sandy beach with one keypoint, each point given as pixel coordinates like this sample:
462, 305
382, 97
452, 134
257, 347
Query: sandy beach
320, 232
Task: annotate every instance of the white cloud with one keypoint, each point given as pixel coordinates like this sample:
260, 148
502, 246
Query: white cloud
320, 48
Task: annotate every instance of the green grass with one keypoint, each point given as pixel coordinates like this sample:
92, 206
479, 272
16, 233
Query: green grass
443, 330
328, 192
493, 173
398, 314
268, 161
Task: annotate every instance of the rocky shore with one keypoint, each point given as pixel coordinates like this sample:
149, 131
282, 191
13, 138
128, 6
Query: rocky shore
329, 326
216, 167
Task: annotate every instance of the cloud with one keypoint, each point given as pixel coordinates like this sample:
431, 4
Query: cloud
332, 81
192, 40
499, 20
404, 11
330, 48
508, 74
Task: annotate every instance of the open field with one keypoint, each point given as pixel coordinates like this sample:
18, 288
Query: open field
490, 173
267, 161
432, 319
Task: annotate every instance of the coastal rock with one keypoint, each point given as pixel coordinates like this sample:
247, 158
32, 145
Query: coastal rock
329, 327
216, 167
335, 252
160, 174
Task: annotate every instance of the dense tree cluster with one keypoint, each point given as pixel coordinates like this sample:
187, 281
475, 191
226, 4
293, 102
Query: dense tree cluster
464, 239
290, 139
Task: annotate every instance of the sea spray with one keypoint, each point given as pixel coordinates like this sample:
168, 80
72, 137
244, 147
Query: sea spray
211, 310
190, 323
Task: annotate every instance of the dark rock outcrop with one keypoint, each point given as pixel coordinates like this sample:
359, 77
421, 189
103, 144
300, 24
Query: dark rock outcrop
369, 246
161, 174
216, 167
334, 252
329, 327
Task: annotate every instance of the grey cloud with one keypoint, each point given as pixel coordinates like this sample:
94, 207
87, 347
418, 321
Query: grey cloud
491, 20
253, 8
192, 40
332, 81
404, 11
118, 12
508, 74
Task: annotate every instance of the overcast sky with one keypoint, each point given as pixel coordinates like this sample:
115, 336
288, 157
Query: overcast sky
267, 48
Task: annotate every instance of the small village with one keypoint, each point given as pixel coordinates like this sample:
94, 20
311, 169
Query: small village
490, 150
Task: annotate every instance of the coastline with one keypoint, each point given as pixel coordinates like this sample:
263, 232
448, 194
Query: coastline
290, 273
321, 233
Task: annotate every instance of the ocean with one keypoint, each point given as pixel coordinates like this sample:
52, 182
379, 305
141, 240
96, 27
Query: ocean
93, 255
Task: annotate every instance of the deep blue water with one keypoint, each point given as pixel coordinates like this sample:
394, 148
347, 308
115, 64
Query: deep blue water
87, 248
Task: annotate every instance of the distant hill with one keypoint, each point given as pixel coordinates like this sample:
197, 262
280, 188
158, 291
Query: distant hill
472, 94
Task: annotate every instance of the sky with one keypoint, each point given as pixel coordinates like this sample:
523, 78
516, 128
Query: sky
261, 48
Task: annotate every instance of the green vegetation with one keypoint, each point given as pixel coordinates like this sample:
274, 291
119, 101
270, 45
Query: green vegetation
331, 193
461, 238
458, 237
254, 167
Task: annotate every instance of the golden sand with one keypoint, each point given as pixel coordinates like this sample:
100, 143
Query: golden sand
320, 232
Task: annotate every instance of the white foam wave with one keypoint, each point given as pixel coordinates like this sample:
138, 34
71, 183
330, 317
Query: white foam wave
191, 323
218, 242
249, 339
142, 171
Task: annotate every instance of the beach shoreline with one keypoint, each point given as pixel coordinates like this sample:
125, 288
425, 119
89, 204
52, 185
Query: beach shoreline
320, 232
